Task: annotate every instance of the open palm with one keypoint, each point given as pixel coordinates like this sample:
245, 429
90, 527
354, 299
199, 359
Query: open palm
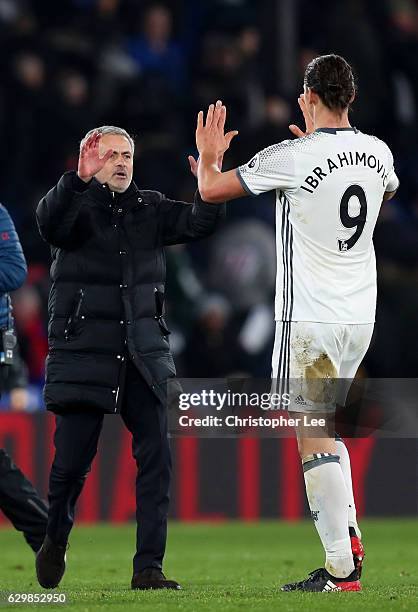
210, 136
89, 161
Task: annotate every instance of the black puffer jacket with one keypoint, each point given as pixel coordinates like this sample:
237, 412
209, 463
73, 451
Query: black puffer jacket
107, 295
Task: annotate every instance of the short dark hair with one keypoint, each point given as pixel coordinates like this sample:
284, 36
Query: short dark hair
332, 78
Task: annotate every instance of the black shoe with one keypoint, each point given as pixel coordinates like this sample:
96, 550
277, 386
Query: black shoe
36, 546
50, 564
152, 578
321, 581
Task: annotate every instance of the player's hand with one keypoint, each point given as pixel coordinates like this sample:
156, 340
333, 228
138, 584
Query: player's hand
210, 136
89, 161
309, 124
194, 164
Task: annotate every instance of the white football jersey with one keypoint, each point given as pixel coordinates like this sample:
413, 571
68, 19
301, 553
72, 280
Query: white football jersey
329, 189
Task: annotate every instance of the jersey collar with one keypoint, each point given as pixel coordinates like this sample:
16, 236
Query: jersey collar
335, 130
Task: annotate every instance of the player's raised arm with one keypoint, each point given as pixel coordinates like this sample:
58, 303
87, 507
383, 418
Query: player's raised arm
215, 186
257, 176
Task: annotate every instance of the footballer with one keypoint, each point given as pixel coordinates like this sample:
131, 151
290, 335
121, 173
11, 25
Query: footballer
330, 183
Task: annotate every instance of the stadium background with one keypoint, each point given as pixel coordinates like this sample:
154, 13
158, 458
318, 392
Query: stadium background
71, 65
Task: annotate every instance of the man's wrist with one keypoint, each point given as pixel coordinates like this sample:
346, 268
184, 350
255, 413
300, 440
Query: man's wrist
74, 182
209, 157
85, 179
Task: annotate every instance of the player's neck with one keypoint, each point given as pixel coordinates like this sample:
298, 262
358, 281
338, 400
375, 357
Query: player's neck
326, 119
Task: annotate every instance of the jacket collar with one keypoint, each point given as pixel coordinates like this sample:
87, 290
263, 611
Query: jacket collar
102, 193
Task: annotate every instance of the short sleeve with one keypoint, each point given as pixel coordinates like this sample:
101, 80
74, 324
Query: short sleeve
271, 168
392, 182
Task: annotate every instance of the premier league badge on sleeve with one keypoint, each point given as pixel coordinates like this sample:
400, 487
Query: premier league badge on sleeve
254, 163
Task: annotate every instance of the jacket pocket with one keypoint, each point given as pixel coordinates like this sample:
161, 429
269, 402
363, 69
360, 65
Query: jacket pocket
74, 317
159, 312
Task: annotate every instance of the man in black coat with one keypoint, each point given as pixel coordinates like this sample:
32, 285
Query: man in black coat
108, 341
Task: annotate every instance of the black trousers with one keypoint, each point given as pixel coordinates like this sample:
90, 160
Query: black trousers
76, 438
21, 503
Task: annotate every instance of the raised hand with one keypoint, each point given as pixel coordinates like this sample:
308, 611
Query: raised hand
309, 124
210, 136
89, 161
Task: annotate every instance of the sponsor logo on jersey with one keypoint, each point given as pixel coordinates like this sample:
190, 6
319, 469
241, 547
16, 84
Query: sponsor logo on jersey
299, 400
314, 514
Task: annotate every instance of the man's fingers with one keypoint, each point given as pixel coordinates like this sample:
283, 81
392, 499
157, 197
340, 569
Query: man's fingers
296, 131
88, 142
106, 156
193, 164
209, 116
302, 106
217, 113
92, 142
222, 118
230, 135
306, 115
199, 120
96, 140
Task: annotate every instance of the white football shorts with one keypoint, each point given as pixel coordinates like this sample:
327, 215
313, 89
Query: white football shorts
314, 363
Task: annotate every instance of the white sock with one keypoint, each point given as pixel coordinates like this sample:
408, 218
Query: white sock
328, 501
342, 452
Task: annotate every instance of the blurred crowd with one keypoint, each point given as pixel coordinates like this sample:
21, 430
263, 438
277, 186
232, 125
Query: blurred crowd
149, 67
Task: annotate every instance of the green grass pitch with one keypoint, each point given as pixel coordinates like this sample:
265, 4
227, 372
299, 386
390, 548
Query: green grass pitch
225, 567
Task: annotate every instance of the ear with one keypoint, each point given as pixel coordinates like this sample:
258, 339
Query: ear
353, 97
314, 99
